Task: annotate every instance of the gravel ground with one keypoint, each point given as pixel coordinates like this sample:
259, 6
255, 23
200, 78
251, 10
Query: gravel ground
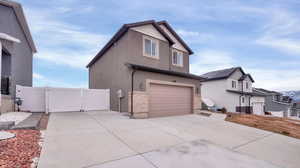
21, 151
17, 117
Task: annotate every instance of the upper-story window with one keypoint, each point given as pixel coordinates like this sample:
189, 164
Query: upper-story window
151, 47
233, 84
247, 85
177, 58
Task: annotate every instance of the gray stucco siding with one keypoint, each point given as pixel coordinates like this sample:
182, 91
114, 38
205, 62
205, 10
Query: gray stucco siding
21, 55
110, 72
141, 77
274, 106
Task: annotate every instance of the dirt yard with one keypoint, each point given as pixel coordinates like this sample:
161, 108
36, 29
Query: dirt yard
280, 125
19, 151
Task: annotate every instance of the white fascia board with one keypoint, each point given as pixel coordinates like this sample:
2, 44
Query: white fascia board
9, 38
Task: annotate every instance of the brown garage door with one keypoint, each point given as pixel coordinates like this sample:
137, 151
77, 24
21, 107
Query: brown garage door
167, 100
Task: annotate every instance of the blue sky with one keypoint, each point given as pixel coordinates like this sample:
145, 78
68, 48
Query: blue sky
261, 36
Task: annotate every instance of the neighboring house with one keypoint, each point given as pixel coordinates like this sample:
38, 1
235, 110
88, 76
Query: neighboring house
232, 89
295, 111
276, 102
146, 63
16, 59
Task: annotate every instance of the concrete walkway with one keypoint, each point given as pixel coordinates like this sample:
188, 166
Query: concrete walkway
110, 140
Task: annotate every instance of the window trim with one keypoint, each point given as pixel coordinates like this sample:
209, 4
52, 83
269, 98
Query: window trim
156, 56
233, 83
181, 53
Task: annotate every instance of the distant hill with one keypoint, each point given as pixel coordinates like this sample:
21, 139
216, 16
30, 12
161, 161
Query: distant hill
294, 94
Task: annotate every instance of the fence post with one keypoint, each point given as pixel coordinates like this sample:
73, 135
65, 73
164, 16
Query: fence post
82, 100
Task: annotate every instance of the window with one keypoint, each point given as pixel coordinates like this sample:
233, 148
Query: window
150, 47
247, 85
243, 99
177, 58
233, 84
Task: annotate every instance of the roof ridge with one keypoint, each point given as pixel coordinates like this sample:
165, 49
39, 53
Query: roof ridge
221, 70
122, 31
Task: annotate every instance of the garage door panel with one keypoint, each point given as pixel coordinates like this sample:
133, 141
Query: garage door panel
166, 100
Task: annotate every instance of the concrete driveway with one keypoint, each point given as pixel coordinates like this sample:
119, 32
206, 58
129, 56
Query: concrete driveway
111, 140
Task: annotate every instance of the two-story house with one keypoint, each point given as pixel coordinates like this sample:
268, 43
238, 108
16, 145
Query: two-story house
232, 89
16, 60
146, 63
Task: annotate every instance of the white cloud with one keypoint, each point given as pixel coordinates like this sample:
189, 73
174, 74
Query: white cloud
286, 45
40, 80
63, 43
195, 37
209, 60
276, 79
280, 32
37, 76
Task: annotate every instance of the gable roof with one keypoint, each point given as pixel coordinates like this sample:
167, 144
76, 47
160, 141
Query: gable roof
224, 74
122, 31
245, 76
166, 24
18, 10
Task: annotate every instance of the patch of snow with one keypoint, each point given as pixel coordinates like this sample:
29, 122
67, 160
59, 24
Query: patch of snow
17, 117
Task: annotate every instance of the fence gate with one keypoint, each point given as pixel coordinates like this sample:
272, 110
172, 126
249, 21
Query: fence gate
41, 99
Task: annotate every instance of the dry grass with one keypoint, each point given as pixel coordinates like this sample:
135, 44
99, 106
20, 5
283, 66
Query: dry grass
279, 125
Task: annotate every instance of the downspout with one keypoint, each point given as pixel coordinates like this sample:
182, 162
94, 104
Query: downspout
170, 58
0, 75
240, 103
132, 83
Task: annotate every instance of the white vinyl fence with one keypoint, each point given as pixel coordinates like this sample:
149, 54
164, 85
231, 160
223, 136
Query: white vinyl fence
39, 99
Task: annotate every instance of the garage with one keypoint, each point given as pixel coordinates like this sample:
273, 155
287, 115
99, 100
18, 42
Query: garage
168, 100
258, 108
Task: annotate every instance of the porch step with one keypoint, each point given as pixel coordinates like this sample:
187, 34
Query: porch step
32, 122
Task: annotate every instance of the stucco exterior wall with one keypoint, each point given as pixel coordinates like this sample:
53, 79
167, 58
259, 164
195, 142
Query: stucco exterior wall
275, 106
135, 54
21, 59
216, 91
110, 70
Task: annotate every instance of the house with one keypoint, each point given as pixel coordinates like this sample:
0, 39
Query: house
232, 89
295, 110
276, 102
16, 61
147, 63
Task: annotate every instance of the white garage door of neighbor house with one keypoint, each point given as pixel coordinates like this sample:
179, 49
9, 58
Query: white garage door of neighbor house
63, 99
167, 100
258, 108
